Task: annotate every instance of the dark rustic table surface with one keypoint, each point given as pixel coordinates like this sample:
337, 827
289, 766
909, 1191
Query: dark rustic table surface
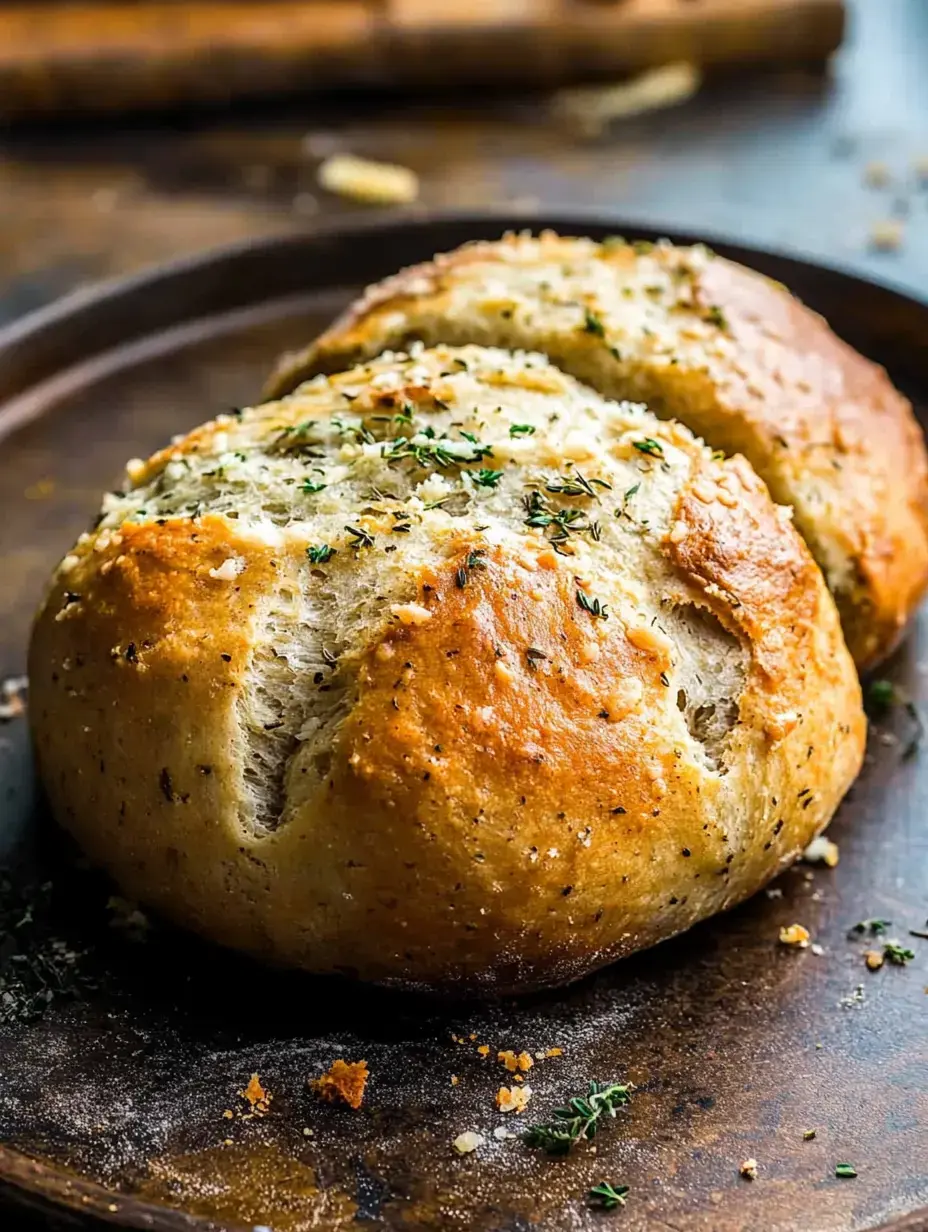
777, 159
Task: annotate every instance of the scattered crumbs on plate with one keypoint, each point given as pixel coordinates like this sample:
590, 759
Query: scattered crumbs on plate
469, 1141
513, 1062
513, 1099
748, 1169
257, 1098
796, 935
822, 851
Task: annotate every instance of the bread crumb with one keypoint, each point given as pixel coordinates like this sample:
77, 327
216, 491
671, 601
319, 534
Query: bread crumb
502, 1132
512, 1062
795, 935
256, 1097
468, 1141
816, 949
513, 1099
343, 1080
410, 613
228, 1114
887, 235
748, 1169
776, 892
455, 1080
361, 179
874, 959
822, 851
484, 1050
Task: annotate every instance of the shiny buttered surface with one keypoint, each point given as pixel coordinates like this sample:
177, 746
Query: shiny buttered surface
445, 672
718, 347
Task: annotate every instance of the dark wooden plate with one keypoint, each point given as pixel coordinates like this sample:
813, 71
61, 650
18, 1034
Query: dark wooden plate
112, 1102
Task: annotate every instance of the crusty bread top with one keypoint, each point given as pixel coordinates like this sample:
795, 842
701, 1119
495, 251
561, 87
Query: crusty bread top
728, 352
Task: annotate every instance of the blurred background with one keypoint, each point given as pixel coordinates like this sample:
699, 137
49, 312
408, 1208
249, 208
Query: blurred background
137, 131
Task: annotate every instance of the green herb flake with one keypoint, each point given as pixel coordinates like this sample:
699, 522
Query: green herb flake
485, 478
579, 1119
361, 538
320, 554
592, 324
607, 1197
593, 606
715, 316
874, 927
845, 1171
576, 485
808, 1135
521, 430
881, 694
897, 954
310, 486
650, 446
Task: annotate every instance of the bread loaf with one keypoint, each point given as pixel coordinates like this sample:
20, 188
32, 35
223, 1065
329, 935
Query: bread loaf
722, 349
443, 672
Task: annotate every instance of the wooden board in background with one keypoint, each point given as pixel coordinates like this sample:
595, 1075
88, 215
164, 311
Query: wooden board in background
64, 58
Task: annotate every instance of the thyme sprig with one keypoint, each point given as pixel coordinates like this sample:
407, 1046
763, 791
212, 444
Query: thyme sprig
607, 1197
580, 1119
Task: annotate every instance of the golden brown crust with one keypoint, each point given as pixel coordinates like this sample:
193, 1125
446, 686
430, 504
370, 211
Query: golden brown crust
746, 366
511, 795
